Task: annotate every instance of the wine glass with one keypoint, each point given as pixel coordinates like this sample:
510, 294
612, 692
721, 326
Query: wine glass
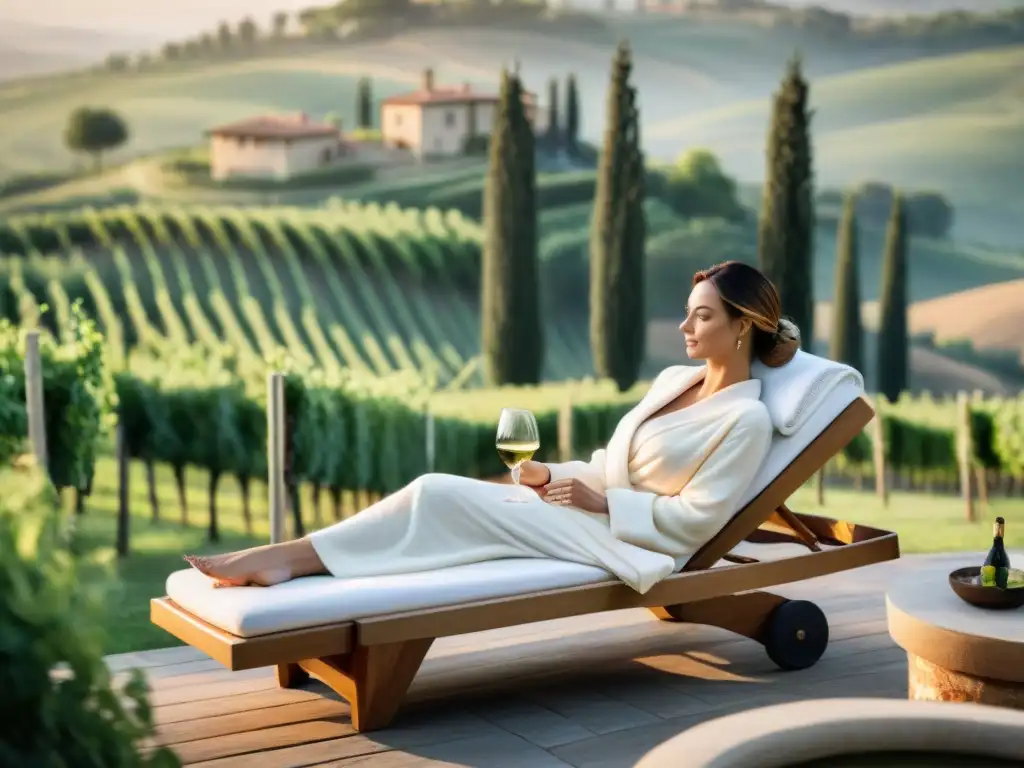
517, 441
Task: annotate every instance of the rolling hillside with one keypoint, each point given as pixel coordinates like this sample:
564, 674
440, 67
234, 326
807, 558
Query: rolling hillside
366, 286
371, 288
991, 317
950, 123
947, 122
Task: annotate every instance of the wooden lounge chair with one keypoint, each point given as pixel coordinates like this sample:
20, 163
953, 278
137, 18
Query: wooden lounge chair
366, 638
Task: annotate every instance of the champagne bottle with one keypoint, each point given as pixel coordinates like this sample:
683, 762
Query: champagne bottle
996, 570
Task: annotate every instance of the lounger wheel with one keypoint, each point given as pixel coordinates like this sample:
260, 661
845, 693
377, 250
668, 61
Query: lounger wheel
796, 634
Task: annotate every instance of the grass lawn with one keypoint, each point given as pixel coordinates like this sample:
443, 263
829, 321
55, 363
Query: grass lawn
925, 524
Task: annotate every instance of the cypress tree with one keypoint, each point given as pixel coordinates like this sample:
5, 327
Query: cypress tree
512, 334
786, 225
572, 114
365, 105
893, 341
553, 112
847, 334
617, 307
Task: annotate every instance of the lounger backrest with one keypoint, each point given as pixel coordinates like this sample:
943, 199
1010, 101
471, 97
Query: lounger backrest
817, 407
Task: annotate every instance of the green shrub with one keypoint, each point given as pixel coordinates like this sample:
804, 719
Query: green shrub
696, 186
61, 708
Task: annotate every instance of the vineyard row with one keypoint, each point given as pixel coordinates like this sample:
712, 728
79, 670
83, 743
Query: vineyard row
346, 432
369, 288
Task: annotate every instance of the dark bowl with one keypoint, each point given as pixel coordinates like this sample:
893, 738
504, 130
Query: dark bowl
964, 582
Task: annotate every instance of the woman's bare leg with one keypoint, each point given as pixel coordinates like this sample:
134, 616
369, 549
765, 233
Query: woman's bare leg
260, 566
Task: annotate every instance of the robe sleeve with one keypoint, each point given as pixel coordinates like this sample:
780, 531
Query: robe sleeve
590, 472
593, 472
680, 525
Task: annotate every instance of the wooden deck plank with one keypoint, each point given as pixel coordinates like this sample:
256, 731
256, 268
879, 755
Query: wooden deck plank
501, 750
241, 722
591, 691
422, 732
227, 705
265, 739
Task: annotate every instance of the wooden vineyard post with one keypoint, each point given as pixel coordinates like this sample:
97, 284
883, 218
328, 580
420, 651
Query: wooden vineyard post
964, 452
123, 481
430, 448
820, 477
878, 451
981, 477
565, 431
278, 493
34, 400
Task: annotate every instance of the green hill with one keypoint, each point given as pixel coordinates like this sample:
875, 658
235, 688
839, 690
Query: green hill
951, 123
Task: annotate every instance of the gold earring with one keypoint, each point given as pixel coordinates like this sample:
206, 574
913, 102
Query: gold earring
739, 343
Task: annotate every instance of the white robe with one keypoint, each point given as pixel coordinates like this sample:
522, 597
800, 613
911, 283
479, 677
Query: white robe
671, 483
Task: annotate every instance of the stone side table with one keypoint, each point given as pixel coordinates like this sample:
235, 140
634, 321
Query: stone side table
955, 652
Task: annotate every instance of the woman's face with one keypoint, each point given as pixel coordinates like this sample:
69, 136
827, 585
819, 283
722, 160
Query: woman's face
710, 331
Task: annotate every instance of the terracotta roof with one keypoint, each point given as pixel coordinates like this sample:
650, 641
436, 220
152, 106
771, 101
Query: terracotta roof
461, 95
276, 127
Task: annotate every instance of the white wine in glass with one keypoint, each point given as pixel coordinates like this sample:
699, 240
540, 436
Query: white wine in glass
517, 441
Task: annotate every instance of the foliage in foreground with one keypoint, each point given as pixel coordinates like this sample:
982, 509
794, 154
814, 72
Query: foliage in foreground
77, 396
61, 707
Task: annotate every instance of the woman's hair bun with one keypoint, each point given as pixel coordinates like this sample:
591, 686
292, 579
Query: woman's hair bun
782, 345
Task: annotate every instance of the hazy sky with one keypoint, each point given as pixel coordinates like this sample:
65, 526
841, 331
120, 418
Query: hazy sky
166, 19
163, 19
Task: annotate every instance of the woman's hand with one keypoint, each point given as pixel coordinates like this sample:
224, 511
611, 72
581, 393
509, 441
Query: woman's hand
533, 474
572, 492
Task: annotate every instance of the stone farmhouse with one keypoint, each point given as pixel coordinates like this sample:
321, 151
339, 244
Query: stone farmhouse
275, 147
438, 121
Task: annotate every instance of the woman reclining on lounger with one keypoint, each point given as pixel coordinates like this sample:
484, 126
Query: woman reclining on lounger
670, 477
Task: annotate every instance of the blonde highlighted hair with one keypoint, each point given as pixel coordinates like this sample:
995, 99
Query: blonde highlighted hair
746, 292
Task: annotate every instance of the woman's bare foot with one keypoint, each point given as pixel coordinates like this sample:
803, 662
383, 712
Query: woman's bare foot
260, 566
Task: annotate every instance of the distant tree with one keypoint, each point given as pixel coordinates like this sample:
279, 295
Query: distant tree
512, 332
171, 51
929, 214
618, 327
280, 24
553, 110
786, 226
95, 131
846, 344
697, 186
893, 332
364, 105
248, 32
572, 114
207, 42
118, 62
224, 36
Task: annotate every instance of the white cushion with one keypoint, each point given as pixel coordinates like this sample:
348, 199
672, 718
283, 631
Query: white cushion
794, 391
321, 600
785, 448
